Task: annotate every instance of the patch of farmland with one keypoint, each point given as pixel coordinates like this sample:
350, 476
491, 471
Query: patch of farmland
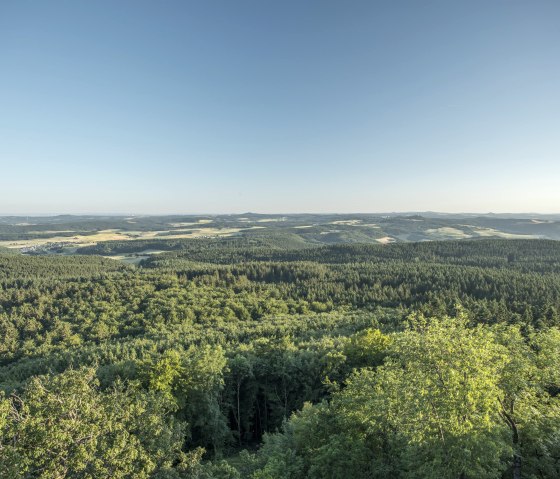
78, 240
448, 232
385, 240
346, 222
485, 232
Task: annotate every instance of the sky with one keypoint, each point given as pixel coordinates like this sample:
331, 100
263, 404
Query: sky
153, 107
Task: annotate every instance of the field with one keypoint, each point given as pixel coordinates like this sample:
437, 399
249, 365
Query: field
50, 240
74, 234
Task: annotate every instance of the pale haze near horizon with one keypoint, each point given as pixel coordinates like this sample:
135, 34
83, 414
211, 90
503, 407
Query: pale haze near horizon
321, 106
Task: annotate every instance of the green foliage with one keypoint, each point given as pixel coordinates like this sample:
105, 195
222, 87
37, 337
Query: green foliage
173, 369
65, 427
367, 348
450, 401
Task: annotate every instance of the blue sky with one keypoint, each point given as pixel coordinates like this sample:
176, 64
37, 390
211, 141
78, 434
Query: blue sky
289, 106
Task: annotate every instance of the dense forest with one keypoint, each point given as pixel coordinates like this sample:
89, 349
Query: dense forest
262, 357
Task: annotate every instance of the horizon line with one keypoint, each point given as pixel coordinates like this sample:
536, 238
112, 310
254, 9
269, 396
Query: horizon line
379, 213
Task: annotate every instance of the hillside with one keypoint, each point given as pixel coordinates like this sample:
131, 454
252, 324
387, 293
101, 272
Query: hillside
71, 234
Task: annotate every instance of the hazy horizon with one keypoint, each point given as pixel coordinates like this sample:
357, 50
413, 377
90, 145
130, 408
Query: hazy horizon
321, 106
279, 213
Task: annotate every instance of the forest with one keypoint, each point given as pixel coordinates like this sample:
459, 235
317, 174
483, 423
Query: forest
264, 357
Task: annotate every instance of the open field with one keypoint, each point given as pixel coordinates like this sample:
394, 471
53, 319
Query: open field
491, 232
448, 231
81, 240
70, 234
385, 240
78, 240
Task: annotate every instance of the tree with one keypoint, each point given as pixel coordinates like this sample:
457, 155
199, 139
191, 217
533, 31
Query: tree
241, 370
528, 401
65, 427
433, 402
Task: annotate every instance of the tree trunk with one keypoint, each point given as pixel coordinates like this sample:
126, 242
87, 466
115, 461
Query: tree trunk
516, 455
238, 413
508, 415
516, 466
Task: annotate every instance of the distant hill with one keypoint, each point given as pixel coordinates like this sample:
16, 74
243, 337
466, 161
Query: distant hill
102, 234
